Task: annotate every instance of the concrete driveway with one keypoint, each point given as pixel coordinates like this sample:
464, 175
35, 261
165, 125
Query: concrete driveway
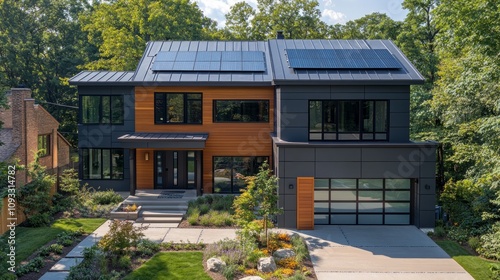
378, 252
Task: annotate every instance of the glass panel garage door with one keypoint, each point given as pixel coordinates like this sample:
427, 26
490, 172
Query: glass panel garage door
362, 201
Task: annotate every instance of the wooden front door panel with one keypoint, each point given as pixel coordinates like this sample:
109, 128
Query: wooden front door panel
305, 202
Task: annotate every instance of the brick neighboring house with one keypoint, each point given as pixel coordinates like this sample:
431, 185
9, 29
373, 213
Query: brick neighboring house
27, 128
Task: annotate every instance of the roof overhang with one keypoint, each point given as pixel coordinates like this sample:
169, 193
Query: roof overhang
164, 140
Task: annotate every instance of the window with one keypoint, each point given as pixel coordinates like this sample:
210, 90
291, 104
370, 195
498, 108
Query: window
362, 201
44, 145
332, 120
102, 164
178, 108
227, 171
241, 110
102, 109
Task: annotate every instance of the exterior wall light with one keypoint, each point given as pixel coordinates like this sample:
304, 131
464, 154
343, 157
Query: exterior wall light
146, 156
427, 187
290, 186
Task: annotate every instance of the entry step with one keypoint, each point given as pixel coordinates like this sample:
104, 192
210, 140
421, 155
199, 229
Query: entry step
162, 213
159, 220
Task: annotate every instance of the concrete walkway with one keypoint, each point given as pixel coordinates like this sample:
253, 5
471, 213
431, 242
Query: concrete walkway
378, 252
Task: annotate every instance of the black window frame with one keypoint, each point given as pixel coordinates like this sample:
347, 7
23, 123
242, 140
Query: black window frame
233, 188
186, 101
111, 108
384, 189
45, 141
361, 133
102, 177
214, 111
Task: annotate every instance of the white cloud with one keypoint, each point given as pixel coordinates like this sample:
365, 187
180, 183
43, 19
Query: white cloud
332, 17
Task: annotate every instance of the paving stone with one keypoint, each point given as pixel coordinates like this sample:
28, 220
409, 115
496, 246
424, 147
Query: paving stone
86, 243
178, 235
55, 275
65, 264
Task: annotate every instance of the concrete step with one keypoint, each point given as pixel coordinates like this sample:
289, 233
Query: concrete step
162, 213
155, 201
176, 208
159, 220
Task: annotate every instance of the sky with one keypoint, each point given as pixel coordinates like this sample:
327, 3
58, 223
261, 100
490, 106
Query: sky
332, 11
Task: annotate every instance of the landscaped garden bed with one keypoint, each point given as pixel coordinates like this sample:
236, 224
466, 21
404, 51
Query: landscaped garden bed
210, 211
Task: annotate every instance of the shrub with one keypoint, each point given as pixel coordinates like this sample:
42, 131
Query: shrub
124, 262
228, 250
290, 263
106, 197
193, 216
230, 271
33, 265
39, 220
91, 268
121, 236
145, 247
297, 276
300, 248
439, 232
458, 234
474, 243
490, 244
69, 181
204, 208
53, 248
253, 258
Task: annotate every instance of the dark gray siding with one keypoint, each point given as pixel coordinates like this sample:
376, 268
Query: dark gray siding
292, 105
105, 136
409, 161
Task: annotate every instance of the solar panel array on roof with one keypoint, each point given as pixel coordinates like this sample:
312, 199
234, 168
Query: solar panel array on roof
223, 61
341, 59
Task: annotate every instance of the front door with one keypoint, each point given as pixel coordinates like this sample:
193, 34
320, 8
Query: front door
175, 169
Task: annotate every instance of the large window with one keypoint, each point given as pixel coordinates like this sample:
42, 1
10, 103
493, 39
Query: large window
102, 164
102, 109
174, 108
332, 120
228, 172
241, 111
44, 145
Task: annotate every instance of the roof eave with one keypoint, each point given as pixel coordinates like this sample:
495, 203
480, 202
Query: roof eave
348, 82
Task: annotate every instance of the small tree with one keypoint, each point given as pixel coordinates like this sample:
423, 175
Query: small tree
34, 197
260, 199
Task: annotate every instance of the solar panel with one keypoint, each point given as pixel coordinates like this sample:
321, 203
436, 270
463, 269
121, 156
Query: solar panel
341, 59
238, 61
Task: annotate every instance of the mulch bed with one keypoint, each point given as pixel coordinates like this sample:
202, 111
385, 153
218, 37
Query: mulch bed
50, 260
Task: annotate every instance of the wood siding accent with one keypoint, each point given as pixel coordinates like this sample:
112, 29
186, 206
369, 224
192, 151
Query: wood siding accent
224, 139
305, 202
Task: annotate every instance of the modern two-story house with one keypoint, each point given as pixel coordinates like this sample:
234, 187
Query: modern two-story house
330, 116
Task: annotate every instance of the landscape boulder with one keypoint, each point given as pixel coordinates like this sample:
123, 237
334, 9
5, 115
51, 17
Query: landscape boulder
215, 264
266, 265
283, 253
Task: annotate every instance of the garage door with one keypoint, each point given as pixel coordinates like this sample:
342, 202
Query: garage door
362, 201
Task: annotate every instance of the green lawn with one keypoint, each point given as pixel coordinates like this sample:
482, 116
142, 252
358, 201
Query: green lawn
28, 240
171, 266
477, 267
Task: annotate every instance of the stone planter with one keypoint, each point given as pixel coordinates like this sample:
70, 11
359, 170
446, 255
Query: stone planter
120, 214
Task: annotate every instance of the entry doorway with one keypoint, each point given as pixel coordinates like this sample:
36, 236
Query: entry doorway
175, 169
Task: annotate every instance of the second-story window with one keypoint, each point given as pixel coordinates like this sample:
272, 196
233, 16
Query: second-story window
102, 109
241, 110
171, 108
331, 120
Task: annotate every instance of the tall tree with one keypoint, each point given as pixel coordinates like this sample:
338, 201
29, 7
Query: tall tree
121, 29
42, 45
296, 18
372, 26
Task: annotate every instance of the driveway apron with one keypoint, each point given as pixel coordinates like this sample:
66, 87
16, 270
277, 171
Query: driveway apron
378, 252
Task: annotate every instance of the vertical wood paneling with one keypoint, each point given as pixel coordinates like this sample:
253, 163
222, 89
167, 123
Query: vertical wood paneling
305, 202
224, 139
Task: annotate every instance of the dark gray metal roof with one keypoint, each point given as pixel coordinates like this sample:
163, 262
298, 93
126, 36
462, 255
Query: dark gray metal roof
283, 74
102, 78
165, 140
144, 74
277, 70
